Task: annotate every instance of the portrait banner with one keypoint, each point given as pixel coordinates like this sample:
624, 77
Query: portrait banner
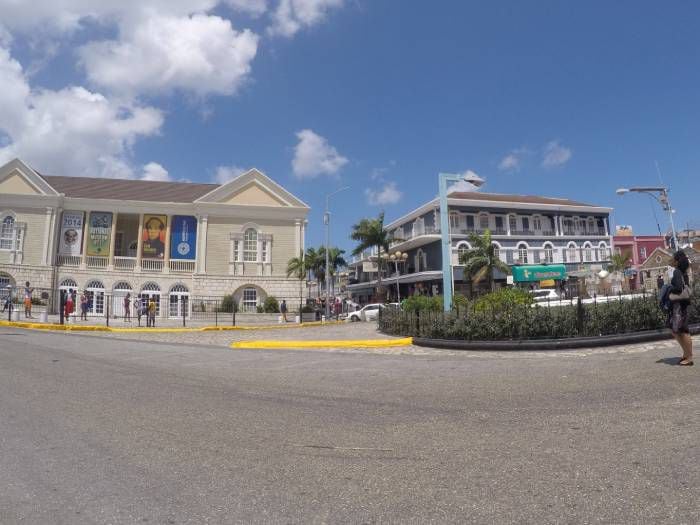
99, 233
71, 240
154, 229
183, 237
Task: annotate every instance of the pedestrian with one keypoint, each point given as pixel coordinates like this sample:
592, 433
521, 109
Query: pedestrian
127, 308
338, 307
7, 302
679, 295
69, 304
151, 321
659, 282
83, 306
138, 309
283, 310
28, 300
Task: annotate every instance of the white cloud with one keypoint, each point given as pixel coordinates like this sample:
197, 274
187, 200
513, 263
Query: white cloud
251, 7
293, 15
387, 194
227, 173
72, 131
313, 156
510, 162
555, 155
156, 172
201, 54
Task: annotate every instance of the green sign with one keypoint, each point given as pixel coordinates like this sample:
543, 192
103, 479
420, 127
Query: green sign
535, 273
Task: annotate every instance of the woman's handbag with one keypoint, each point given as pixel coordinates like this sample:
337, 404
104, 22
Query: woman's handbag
683, 296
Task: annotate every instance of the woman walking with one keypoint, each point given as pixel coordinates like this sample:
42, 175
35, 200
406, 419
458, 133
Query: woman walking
679, 295
83, 307
127, 308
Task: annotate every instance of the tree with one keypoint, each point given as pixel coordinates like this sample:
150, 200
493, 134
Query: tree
370, 234
480, 262
618, 263
316, 264
296, 267
336, 261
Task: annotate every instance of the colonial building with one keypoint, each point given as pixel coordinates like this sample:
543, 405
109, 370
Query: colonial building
636, 249
166, 240
571, 239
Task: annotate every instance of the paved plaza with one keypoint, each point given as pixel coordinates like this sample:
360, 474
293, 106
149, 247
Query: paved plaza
113, 429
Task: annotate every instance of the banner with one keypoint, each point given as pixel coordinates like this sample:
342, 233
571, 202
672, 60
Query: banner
153, 236
99, 233
71, 241
183, 237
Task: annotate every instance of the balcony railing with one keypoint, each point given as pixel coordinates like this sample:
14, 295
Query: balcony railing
96, 261
69, 260
124, 263
428, 230
152, 265
181, 266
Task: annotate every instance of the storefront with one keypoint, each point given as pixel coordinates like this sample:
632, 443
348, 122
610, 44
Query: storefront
540, 276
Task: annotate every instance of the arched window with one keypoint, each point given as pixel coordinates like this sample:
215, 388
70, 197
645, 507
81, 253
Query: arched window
462, 249
571, 255
179, 299
522, 253
587, 252
548, 253
122, 286
150, 287
95, 293
150, 291
7, 233
604, 251
68, 283
250, 245
119, 293
250, 299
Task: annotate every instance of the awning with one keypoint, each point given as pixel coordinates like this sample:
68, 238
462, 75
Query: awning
537, 272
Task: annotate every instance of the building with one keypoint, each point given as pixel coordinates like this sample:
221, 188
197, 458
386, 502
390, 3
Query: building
658, 264
558, 241
166, 240
636, 249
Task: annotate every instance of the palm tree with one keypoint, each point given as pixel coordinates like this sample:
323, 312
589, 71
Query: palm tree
296, 267
316, 264
336, 261
618, 263
480, 262
370, 234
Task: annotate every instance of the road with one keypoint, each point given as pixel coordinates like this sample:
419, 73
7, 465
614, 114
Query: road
100, 430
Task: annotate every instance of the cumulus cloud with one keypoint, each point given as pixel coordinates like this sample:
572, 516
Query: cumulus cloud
555, 155
251, 7
71, 131
156, 172
201, 54
389, 193
464, 185
314, 156
291, 16
226, 173
510, 162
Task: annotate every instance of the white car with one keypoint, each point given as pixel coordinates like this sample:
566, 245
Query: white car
368, 313
544, 295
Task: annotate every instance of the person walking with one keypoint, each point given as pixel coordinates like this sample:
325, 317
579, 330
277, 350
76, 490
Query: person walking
151, 321
283, 310
127, 308
83, 306
28, 301
138, 309
68, 305
679, 295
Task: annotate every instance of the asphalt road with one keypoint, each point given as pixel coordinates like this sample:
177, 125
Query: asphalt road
98, 430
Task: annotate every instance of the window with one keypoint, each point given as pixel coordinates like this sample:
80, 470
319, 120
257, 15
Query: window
604, 253
250, 299
568, 226
587, 253
548, 254
470, 222
537, 223
454, 221
513, 222
179, 301
643, 253
571, 253
526, 223
151, 291
263, 251
250, 245
7, 233
496, 252
499, 223
236, 251
483, 221
522, 254
461, 250
95, 293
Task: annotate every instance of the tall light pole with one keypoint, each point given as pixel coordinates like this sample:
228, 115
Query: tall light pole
445, 236
327, 222
662, 198
396, 258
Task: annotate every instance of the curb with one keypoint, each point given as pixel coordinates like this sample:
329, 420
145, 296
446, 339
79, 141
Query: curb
97, 328
337, 343
573, 343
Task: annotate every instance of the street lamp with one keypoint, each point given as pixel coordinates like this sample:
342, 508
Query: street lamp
396, 258
662, 198
327, 222
445, 236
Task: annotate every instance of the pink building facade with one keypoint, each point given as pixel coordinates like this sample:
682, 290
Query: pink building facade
636, 248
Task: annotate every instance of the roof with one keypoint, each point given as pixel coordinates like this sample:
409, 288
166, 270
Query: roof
502, 197
128, 189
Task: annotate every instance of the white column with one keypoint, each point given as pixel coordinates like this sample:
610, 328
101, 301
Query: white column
112, 241
303, 235
47, 236
508, 232
607, 230
53, 239
297, 237
204, 228
86, 230
197, 246
557, 231
139, 243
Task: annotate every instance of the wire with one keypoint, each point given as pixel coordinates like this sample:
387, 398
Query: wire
653, 210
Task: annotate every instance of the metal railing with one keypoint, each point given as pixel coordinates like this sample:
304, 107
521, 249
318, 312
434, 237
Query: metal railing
124, 263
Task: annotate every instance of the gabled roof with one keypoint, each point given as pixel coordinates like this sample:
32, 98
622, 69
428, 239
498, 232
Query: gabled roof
128, 189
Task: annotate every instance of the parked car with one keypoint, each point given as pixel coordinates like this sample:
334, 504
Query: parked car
369, 312
544, 295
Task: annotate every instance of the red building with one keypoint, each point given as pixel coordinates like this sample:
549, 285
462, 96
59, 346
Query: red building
636, 248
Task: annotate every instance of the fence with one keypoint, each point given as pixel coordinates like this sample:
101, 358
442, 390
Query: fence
475, 322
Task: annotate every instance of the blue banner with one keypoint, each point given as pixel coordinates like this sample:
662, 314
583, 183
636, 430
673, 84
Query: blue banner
183, 237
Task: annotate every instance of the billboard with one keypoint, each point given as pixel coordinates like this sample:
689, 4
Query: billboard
71, 240
183, 237
154, 230
99, 233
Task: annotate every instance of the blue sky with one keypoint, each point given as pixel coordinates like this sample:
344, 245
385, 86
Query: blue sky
550, 98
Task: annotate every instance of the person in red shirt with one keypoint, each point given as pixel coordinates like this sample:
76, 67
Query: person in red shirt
68, 308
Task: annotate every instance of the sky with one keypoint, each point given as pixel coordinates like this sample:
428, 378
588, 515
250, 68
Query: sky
564, 99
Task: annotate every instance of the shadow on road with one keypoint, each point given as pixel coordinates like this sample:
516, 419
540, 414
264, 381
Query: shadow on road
669, 360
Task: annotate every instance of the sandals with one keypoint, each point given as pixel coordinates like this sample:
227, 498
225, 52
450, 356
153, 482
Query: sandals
684, 362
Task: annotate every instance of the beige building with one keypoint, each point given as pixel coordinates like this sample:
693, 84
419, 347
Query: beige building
167, 240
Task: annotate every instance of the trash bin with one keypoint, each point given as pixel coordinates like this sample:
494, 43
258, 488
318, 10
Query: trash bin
43, 317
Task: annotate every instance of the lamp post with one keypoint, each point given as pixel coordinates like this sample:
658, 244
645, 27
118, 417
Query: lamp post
445, 236
398, 257
662, 198
327, 222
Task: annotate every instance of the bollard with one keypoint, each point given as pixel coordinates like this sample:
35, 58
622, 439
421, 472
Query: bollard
43, 317
107, 311
297, 319
15, 314
323, 319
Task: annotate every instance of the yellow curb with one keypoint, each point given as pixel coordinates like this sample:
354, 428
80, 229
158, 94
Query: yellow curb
100, 328
330, 343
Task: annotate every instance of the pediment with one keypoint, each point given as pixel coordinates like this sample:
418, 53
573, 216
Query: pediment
252, 188
16, 178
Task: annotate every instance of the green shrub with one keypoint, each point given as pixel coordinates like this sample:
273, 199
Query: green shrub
271, 306
503, 298
260, 309
227, 304
417, 303
307, 309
